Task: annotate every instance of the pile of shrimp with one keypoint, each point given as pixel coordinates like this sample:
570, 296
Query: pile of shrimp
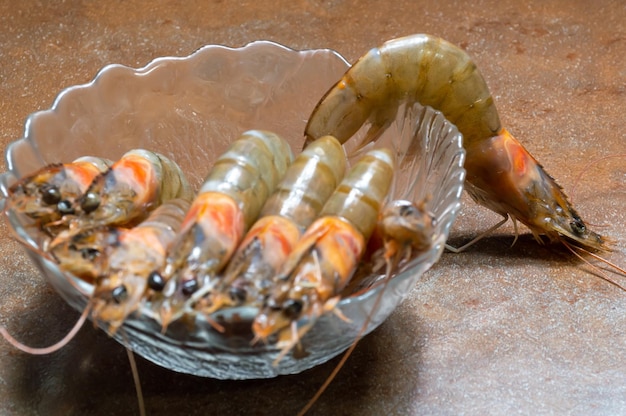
286, 235
265, 230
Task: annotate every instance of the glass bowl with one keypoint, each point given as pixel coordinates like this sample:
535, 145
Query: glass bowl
190, 109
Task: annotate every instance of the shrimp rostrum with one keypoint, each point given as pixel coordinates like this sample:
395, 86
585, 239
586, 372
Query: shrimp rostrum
325, 258
501, 173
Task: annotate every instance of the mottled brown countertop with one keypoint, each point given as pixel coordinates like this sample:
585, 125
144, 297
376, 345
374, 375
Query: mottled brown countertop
495, 330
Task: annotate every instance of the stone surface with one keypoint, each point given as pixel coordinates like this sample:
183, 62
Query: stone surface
494, 330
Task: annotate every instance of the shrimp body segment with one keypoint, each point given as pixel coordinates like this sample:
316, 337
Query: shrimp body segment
327, 255
228, 203
501, 173
49, 194
293, 206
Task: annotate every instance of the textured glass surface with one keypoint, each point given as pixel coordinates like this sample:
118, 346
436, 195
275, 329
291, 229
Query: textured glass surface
190, 109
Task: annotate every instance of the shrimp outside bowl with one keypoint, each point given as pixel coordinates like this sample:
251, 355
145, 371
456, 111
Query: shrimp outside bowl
190, 109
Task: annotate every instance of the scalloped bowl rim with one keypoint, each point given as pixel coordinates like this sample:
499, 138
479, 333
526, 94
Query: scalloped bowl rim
144, 70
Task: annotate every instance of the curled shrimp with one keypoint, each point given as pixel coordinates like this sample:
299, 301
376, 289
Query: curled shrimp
327, 255
126, 193
293, 206
50, 193
501, 173
228, 203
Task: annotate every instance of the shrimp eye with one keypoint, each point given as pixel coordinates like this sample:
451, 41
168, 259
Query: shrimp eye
90, 202
292, 308
189, 286
156, 281
65, 207
408, 210
237, 294
50, 195
578, 226
89, 253
119, 294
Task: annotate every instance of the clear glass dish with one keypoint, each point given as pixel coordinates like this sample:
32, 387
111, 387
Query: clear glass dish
190, 109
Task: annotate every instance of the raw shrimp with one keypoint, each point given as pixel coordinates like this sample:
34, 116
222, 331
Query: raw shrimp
120, 262
501, 173
406, 229
328, 253
122, 259
49, 194
297, 201
138, 252
228, 203
125, 194
84, 253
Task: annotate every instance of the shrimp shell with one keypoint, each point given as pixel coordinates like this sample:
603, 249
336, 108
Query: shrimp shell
293, 206
328, 253
501, 173
229, 201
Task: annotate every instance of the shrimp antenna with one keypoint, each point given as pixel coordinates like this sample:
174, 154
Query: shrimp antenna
349, 351
53, 348
133, 368
602, 275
